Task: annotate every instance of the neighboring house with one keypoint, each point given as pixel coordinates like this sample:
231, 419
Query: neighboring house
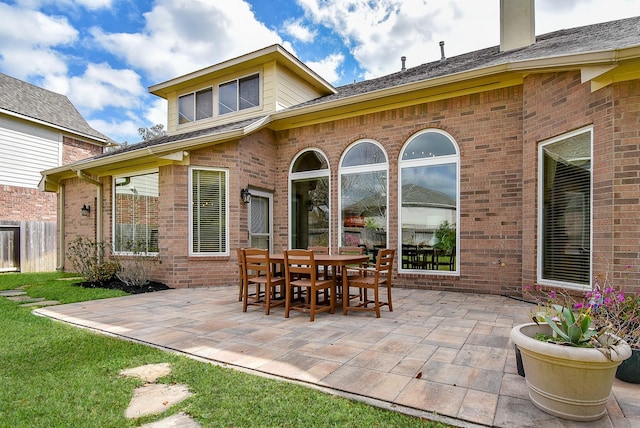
39, 129
529, 149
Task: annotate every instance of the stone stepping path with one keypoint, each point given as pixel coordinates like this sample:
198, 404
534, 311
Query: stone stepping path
153, 398
21, 296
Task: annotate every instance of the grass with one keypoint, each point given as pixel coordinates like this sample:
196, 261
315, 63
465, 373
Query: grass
53, 374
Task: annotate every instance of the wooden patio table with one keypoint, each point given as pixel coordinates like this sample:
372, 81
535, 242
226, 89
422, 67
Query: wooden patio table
335, 261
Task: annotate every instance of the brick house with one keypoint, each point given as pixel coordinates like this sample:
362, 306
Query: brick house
523, 156
39, 129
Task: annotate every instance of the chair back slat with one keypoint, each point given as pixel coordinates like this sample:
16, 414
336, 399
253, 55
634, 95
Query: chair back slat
300, 262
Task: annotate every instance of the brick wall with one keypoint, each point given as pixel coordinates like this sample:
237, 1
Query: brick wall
487, 129
558, 103
497, 132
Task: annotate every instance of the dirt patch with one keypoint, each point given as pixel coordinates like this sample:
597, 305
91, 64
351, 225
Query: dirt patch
116, 284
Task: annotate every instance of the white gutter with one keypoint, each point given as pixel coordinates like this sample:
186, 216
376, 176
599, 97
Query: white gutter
61, 242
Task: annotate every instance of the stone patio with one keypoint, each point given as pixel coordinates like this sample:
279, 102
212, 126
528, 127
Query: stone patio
441, 355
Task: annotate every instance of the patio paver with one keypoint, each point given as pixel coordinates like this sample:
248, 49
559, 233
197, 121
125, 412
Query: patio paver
440, 355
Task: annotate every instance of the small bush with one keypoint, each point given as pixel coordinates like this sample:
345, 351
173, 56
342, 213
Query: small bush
88, 258
135, 267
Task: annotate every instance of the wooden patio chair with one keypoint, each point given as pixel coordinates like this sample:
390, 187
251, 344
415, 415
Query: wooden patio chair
258, 270
301, 271
372, 278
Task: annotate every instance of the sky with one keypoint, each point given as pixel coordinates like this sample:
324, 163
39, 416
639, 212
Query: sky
104, 54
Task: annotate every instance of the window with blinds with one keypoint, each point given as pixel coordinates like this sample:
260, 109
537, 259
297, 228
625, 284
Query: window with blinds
209, 212
565, 210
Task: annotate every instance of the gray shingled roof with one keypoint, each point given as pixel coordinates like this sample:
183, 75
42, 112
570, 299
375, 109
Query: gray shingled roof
591, 38
41, 104
214, 130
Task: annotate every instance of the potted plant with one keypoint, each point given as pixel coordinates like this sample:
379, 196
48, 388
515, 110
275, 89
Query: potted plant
621, 312
569, 365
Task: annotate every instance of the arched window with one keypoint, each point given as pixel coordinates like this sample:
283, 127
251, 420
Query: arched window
428, 199
309, 196
363, 196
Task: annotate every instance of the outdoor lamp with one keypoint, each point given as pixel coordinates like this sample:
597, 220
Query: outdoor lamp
245, 195
85, 210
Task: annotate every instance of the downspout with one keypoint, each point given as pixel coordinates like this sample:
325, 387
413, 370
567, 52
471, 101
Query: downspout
61, 213
84, 177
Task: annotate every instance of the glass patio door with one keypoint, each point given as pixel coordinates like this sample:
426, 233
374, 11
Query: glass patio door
261, 220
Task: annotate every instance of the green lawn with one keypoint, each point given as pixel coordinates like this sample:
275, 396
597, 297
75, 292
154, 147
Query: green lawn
56, 375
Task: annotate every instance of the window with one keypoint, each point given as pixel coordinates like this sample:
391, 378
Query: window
208, 233
195, 106
239, 94
428, 189
363, 196
135, 213
565, 210
309, 184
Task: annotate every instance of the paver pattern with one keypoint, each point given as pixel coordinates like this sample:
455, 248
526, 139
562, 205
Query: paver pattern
441, 355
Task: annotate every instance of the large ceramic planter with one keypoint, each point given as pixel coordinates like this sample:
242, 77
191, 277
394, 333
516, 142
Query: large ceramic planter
629, 370
565, 381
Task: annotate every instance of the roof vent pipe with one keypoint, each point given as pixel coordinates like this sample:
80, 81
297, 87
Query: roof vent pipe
404, 60
442, 57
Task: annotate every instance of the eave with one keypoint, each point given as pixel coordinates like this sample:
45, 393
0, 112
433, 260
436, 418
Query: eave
606, 64
272, 53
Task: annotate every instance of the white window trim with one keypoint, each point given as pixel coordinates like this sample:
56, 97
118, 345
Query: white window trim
317, 173
113, 210
422, 162
190, 205
539, 279
383, 166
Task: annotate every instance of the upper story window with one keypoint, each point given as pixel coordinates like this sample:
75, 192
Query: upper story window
239, 94
195, 106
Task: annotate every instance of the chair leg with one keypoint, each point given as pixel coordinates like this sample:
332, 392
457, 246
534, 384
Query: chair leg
267, 299
287, 300
312, 310
376, 302
389, 298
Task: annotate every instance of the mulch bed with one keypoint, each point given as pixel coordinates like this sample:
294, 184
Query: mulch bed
116, 284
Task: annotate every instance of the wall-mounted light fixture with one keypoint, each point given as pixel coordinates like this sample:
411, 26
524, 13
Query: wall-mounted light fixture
85, 210
245, 195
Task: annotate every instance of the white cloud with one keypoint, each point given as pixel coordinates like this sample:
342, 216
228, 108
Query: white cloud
179, 38
156, 112
297, 30
27, 39
120, 131
379, 33
327, 67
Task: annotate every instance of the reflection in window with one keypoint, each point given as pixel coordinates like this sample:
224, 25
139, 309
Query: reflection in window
208, 198
566, 209
135, 212
309, 200
239, 94
363, 197
195, 106
429, 203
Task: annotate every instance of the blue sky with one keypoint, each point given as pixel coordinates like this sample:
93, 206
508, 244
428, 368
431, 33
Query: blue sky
104, 54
